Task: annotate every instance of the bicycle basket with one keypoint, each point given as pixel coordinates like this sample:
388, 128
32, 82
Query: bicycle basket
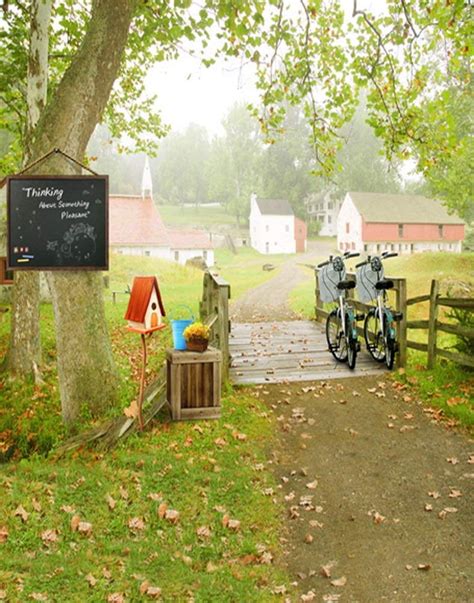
366, 280
327, 282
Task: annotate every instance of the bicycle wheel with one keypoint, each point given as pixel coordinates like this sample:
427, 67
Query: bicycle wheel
335, 336
390, 347
351, 343
373, 335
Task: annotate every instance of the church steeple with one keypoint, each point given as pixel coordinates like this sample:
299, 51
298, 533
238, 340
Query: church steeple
147, 185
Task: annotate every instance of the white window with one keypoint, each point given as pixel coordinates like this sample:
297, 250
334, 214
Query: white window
329, 219
147, 252
204, 254
287, 228
267, 227
176, 256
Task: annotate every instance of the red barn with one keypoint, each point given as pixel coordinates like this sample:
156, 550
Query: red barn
375, 222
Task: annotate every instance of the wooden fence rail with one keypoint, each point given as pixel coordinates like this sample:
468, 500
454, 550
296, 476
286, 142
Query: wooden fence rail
214, 312
433, 325
400, 289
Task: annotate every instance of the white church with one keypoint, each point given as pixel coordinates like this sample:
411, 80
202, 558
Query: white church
136, 228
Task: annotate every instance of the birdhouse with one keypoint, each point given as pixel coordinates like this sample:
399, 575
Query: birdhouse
145, 308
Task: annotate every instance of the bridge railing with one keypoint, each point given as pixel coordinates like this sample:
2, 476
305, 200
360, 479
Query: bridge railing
398, 300
214, 312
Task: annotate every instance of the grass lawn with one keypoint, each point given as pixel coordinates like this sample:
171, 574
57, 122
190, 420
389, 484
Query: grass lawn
208, 471
175, 215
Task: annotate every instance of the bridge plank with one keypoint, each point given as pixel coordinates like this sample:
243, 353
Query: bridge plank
277, 352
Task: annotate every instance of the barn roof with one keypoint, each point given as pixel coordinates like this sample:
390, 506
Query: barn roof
140, 297
135, 221
274, 207
402, 209
189, 239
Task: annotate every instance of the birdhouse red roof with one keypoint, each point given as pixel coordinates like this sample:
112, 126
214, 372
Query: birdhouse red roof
140, 298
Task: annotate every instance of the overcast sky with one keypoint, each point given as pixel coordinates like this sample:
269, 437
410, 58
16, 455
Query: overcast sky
188, 92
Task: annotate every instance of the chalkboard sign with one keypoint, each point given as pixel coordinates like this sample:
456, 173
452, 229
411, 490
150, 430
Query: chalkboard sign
57, 222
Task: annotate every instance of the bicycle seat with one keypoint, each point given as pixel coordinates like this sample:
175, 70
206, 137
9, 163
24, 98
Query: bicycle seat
384, 284
346, 285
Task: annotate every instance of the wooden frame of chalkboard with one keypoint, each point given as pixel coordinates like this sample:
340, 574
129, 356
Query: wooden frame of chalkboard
58, 222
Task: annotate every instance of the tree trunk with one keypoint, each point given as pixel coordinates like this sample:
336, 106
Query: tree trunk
87, 374
25, 343
86, 370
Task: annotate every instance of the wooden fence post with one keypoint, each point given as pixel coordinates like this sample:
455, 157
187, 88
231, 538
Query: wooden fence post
318, 298
402, 325
432, 327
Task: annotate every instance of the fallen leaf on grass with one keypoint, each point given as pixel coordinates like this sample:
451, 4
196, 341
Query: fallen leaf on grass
172, 515
49, 536
136, 524
131, 411
22, 513
3, 534
312, 485
308, 538
153, 592
39, 597
428, 507
453, 460
241, 437
279, 590
309, 596
107, 573
407, 428
220, 442
211, 567
454, 493
91, 581
116, 598
434, 494
203, 532
3, 595
331, 597
470, 460
111, 502
162, 510
339, 581
74, 523
371, 390
68, 509
36, 505
84, 528
231, 524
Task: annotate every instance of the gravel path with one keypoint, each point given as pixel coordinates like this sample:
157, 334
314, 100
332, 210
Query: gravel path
378, 496
269, 301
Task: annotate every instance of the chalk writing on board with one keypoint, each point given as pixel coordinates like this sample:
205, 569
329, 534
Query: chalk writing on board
58, 222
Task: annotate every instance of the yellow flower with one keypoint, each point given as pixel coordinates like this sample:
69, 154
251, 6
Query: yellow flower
196, 331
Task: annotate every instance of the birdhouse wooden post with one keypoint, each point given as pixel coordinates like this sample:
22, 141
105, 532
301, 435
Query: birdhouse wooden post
145, 316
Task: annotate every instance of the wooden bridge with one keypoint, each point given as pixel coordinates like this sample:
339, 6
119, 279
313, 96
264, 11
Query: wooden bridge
276, 352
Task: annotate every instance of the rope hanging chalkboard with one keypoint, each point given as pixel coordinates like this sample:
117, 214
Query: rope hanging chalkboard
43, 158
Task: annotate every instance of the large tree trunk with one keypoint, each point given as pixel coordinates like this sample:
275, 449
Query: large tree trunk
87, 374
25, 344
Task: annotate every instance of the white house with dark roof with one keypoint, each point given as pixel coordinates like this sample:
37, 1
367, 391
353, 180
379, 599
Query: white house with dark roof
375, 222
324, 208
274, 227
136, 228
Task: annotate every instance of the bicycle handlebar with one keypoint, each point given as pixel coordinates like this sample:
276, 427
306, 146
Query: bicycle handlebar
389, 254
324, 264
355, 254
362, 264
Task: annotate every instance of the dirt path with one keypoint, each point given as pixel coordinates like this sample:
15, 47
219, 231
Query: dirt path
269, 301
381, 495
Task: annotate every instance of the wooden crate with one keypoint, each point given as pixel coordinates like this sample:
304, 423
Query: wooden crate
194, 384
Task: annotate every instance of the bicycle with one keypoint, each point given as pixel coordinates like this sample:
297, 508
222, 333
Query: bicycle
341, 323
379, 325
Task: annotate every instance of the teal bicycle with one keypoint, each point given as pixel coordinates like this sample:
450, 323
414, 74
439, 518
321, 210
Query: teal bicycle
379, 327
341, 323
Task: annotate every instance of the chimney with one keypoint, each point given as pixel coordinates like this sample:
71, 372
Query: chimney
147, 185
